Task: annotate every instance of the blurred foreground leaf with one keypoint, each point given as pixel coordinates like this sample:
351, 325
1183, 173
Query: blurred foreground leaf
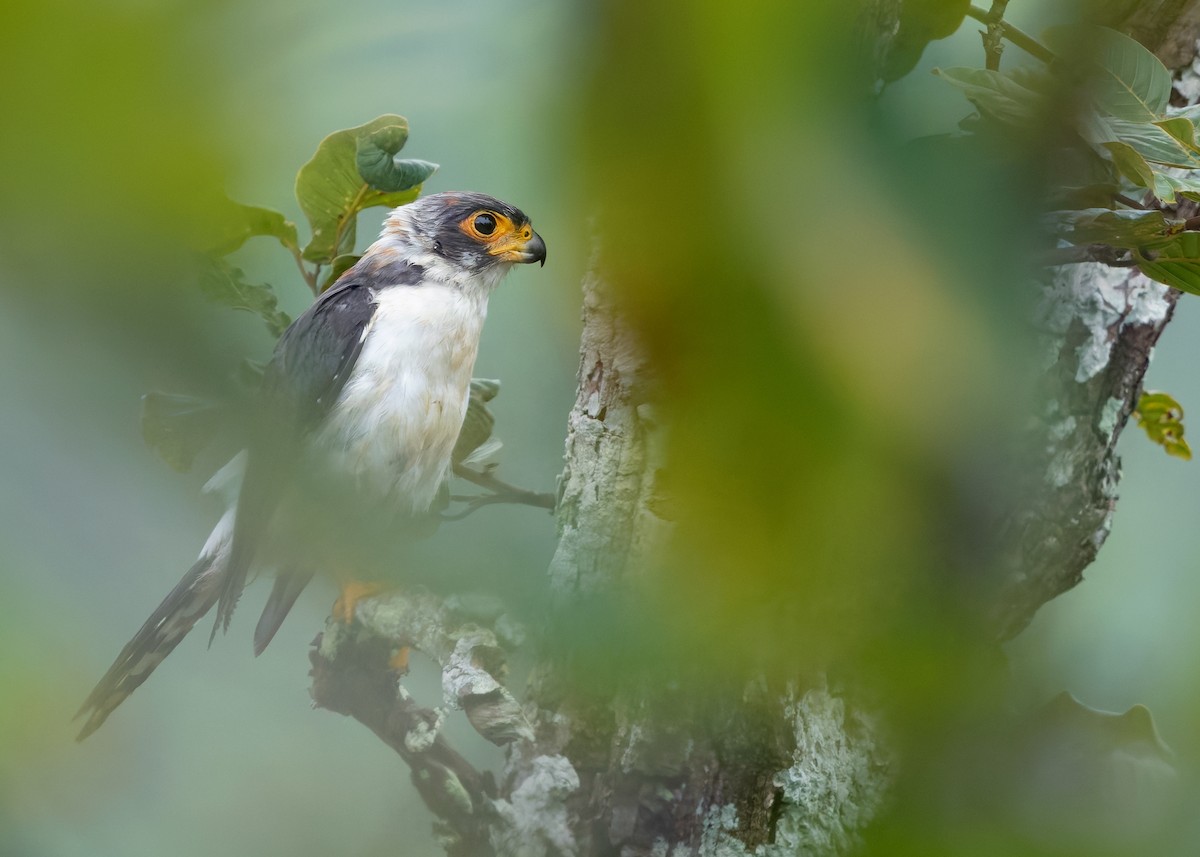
921, 22
240, 222
178, 427
1161, 417
1093, 776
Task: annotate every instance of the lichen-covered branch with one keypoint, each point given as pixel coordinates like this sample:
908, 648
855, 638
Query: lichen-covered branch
465, 635
1098, 326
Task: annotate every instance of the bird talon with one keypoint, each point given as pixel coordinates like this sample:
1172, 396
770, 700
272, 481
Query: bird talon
353, 591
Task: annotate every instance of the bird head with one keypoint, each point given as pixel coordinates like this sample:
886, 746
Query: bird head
463, 232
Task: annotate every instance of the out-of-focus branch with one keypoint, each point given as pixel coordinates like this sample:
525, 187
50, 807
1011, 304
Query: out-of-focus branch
352, 675
358, 682
1007, 31
502, 492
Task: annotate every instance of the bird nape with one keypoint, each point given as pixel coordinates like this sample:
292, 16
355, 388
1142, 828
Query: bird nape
372, 381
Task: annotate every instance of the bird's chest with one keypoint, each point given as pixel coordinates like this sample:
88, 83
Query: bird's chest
399, 415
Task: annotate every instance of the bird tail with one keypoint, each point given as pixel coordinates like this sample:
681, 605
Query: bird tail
191, 598
287, 588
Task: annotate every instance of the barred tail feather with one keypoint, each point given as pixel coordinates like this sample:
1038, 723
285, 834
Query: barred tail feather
191, 598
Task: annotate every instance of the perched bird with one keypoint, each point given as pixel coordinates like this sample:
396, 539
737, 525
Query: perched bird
372, 382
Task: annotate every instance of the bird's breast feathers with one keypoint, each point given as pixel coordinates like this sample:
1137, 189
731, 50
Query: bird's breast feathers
400, 412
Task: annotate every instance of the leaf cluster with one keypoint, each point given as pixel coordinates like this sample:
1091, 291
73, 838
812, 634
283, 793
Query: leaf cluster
352, 170
1161, 417
1136, 158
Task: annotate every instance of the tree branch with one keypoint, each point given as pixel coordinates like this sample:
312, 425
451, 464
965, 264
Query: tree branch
1022, 40
502, 492
358, 682
352, 675
1079, 253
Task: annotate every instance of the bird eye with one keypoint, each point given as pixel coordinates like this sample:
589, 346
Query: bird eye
485, 224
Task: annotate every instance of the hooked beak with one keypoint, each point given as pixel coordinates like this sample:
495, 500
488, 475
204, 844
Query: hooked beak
515, 249
534, 250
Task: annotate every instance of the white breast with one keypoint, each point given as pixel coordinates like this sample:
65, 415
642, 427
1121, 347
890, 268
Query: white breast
399, 415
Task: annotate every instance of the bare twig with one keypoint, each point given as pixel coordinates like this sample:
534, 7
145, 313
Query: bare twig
993, 36
502, 492
1111, 256
310, 277
1006, 30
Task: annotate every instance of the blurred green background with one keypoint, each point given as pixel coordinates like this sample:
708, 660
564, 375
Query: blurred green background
823, 348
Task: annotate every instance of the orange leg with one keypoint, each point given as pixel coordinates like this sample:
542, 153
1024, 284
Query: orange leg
353, 591
399, 661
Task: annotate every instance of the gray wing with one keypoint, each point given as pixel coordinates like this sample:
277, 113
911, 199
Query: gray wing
301, 385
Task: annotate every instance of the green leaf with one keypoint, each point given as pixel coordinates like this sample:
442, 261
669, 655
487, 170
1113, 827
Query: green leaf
994, 93
1126, 80
1154, 144
331, 192
1161, 417
1125, 228
227, 285
479, 422
340, 265
1169, 185
1177, 264
382, 170
239, 222
1131, 164
179, 427
1180, 129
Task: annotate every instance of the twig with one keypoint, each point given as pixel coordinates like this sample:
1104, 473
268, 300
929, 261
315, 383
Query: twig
1074, 255
310, 277
474, 504
993, 43
1128, 202
1022, 40
502, 492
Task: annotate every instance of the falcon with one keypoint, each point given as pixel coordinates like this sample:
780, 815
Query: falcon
371, 383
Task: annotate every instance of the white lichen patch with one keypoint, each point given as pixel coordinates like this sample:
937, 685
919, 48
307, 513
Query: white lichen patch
716, 839
839, 775
1104, 300
1107, 423
535, 823
1061, 469
1062, 430
422, 736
